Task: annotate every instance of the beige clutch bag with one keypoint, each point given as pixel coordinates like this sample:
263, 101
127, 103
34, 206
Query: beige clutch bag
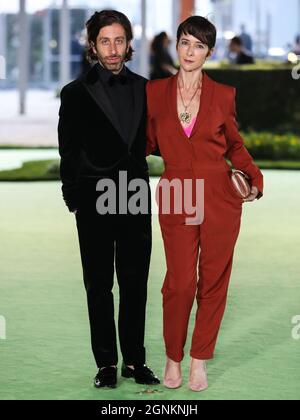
241, 183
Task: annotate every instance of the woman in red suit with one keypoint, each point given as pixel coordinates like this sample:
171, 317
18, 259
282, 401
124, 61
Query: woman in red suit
192, 121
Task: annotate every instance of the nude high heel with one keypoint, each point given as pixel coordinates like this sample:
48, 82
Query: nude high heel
171, 383
201, 383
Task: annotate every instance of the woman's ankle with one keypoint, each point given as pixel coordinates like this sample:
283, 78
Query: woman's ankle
171, 360
197, 361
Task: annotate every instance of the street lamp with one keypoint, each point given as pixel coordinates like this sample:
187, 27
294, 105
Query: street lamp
23, 54
64, 47
144, 41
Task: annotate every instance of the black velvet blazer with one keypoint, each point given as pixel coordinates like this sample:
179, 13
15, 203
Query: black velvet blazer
91, 143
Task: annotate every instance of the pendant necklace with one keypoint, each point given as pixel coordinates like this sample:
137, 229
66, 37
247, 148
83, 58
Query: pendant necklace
186, 117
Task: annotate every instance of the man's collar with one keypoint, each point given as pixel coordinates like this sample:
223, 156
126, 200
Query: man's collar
107, 76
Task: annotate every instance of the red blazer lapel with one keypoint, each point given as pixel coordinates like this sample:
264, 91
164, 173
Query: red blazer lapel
208, 86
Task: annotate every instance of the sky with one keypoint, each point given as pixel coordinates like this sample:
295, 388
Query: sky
285, 23
284, 13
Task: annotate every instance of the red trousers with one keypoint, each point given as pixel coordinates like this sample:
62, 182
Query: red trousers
199, 262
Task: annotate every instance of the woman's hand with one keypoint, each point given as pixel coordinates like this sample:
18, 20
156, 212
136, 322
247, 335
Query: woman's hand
252, 196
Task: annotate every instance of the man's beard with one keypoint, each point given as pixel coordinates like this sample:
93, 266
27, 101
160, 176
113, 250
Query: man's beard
115, 67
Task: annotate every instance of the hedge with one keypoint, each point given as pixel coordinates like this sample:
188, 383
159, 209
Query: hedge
267, 100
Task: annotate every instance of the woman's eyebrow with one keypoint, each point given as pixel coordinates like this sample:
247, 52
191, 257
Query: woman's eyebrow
196, 42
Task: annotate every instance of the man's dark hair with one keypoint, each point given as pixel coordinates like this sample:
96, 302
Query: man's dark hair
106, 18
199, 27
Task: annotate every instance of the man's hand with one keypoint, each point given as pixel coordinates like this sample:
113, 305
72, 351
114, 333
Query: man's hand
252, 196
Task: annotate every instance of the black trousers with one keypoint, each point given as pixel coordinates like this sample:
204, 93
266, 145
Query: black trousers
121, 244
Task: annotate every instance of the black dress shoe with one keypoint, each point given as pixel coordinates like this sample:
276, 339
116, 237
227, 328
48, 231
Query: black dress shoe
106, 377
141, 374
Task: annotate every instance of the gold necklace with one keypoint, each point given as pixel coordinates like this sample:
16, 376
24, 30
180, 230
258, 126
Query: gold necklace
186, 117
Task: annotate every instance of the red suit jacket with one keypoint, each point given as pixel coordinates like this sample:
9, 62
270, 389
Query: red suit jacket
215, 136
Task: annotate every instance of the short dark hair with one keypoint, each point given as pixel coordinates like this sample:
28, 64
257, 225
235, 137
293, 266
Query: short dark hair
158, 42
106, 18
237, 41
199, 27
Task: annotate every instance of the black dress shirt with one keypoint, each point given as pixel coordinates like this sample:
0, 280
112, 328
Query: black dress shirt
119, 89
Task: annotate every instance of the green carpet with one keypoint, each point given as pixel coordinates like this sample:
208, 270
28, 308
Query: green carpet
46, 354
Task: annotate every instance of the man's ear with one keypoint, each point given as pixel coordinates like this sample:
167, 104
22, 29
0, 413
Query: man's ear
128, 46
93, 47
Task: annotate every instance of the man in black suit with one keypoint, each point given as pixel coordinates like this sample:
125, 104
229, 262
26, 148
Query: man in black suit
102, 137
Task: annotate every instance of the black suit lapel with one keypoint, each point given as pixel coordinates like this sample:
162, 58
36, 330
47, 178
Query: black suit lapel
139, 98
96, 89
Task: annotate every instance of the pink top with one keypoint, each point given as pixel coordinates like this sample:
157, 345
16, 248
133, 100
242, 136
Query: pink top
188, 130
